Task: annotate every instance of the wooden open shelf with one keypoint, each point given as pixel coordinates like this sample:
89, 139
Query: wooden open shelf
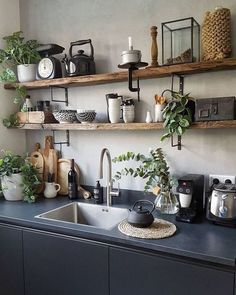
124, 126
147, 73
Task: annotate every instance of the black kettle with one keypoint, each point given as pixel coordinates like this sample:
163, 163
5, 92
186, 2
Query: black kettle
139, 216
79, 64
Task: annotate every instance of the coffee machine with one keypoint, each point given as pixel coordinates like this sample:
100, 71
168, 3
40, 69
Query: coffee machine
191, 198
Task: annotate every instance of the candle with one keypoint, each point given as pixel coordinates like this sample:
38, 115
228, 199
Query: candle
130, 43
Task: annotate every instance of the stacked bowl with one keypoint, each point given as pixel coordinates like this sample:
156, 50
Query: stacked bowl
65, 116
128, 113
85, 116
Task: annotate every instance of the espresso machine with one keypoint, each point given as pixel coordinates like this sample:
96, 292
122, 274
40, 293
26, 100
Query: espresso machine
191, 198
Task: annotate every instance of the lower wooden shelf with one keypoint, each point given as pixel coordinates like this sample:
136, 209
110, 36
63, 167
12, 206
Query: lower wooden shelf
124, 126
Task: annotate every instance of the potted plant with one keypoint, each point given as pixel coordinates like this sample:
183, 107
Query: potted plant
177, 114
154, 169
22, 54
19, 178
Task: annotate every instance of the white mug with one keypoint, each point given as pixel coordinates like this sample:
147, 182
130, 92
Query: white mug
185, 200
51, 189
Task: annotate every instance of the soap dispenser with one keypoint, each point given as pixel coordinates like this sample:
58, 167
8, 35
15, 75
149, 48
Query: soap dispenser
98, 193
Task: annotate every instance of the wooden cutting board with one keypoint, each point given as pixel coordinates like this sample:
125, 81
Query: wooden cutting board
63, 166
50, 157
36, 158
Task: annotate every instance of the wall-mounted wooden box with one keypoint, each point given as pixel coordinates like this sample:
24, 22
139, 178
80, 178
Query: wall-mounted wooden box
36, 117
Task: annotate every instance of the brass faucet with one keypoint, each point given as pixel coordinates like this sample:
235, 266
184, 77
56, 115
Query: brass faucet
109, 189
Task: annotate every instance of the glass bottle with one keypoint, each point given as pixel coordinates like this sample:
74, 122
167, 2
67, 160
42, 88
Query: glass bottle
72, 182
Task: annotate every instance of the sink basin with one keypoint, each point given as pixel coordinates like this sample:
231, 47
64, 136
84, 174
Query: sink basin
87, 214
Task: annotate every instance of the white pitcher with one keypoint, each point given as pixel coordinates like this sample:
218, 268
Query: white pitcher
51, 189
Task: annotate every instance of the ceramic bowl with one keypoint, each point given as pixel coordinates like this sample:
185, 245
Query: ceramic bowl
65, 116
86, 116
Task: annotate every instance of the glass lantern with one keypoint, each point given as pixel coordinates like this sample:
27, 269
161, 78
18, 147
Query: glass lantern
180, 41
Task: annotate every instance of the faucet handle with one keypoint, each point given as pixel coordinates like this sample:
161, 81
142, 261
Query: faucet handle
116, 192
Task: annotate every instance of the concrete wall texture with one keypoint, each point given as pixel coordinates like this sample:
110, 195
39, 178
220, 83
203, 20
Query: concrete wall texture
108, 24
9, 22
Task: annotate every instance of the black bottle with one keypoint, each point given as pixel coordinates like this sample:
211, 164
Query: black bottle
72, 182
98, 193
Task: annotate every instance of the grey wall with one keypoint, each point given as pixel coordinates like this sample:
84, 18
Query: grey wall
108, 24
9, 22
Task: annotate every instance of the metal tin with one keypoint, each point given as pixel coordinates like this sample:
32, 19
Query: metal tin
131, 56
214, 109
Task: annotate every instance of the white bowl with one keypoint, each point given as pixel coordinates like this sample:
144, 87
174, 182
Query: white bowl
86, 117
85, 111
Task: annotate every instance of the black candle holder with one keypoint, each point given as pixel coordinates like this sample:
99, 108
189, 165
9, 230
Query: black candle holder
133, 67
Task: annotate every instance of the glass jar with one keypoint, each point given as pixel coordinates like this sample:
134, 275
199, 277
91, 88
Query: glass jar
167, 203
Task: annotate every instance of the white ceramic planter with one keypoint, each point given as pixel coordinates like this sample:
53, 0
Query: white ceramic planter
12, 188
26, 73
158, 112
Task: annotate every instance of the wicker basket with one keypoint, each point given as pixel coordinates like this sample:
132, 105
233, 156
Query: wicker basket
216, 34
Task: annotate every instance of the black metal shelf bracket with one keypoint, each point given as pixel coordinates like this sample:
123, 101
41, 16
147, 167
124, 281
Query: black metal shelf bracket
66, 101
181, 83
66, 142
133, 67
181, 91
178, 144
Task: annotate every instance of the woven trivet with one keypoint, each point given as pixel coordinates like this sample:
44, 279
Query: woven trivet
158, 230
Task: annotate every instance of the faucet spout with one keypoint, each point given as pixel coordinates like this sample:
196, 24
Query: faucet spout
109, 191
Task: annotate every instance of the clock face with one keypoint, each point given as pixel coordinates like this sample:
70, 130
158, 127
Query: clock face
45, 68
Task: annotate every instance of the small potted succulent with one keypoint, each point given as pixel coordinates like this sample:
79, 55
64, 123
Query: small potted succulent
19, 178
154, 169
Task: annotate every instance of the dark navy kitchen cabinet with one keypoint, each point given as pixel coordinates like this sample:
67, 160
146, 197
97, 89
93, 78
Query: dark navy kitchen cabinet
60, 265
11, 261
139, 273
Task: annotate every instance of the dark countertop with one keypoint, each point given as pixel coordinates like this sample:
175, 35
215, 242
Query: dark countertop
204, 242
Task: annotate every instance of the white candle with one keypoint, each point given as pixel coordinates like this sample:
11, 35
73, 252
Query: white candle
130, 43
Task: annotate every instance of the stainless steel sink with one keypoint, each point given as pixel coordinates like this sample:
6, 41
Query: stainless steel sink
87, 214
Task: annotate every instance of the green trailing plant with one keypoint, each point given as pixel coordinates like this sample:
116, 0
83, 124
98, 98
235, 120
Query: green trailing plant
11, 121
177, 115
17, 51
12, 163
153, 168
19, 98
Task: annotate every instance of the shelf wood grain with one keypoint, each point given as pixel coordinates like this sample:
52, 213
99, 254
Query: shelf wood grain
147, 73
124, 126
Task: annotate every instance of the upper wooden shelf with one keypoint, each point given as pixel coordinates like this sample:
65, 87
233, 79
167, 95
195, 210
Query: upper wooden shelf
162, 71
124, 126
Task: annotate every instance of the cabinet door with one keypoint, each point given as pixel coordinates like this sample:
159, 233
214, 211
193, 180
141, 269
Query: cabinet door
11, 261
138, 273
59, 265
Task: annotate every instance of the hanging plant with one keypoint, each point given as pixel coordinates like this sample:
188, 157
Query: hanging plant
177, 114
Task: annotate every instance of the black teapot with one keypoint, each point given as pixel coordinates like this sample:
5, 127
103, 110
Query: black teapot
139, 216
